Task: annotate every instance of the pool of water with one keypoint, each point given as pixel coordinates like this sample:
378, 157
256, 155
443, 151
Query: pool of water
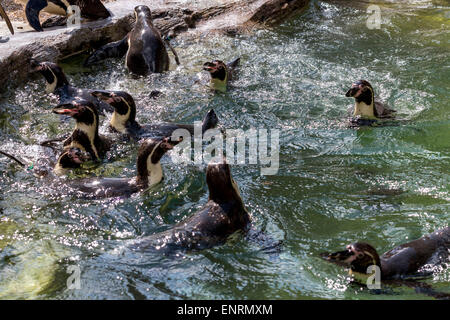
335, 185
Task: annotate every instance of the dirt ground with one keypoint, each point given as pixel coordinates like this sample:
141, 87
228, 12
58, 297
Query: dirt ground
16, 11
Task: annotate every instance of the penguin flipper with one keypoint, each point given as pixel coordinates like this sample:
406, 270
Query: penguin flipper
5, 16
210, 121
111, 50
382, 111
234, 64
32, 10
231, 67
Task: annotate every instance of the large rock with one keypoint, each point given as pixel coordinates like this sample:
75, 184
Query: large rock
171, 17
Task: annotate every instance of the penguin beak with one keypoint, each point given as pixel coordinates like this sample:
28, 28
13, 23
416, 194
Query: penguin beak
168, 143
108, 96
5, 16
77, 156
104, 95
343, 258
66, 109
36, 66
353, 92
210, 67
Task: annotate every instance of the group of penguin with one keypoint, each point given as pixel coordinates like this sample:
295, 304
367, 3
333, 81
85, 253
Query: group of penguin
224, 213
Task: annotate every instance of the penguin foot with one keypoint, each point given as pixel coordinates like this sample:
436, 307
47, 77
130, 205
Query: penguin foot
55, 21
3, 40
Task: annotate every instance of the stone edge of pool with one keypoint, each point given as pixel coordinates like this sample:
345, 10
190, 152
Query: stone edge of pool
225, 16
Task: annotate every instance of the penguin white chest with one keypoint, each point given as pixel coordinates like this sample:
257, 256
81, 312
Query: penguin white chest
155, 173
118, 121
363, 110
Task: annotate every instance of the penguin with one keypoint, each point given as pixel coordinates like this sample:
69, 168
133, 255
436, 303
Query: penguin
58, 84
367, 107
143, 46
223, 215
71, 158
89, 9
149, 173
221, 73
124, 121
401, 262
5, 17
85, 136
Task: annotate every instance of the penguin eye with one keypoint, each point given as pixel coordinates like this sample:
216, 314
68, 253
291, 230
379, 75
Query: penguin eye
360, 255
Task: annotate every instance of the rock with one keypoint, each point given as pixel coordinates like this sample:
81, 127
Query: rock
170, 18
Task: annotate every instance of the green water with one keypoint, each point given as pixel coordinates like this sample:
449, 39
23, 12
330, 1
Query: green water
335, 185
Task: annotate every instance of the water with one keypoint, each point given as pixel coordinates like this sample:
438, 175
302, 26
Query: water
335, 185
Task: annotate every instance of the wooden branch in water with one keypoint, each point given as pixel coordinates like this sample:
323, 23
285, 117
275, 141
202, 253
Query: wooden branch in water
173, 51
13, 158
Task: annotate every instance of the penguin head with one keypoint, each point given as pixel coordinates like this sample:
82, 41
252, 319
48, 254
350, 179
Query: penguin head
121, 101
82, 111
53, 74
221, 185
143, 12
154, 149
72, 158
217, 69
362, 91
149, 154
357, 256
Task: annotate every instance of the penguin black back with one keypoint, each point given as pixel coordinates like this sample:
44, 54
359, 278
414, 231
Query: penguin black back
143, 46
402, 261
147, 52
57, 83
124, 121
223, 215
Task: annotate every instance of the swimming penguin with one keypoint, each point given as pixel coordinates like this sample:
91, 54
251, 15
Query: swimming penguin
89, 9
124, 121
85, 136
223, 215
221, 73
400, 262
5, 17
149, 173
366, 105
144, 48
58, 84
71, 158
